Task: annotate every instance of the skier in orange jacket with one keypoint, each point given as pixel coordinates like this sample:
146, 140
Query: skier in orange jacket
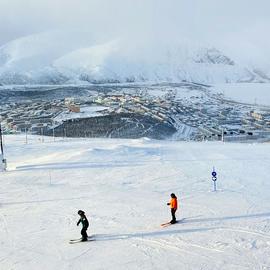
173, 204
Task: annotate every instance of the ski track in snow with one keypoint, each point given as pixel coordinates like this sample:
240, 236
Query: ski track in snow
124, 185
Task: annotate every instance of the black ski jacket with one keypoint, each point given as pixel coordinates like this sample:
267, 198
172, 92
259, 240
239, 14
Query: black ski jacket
84, 222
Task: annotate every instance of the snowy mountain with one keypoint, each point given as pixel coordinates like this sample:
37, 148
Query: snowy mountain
213, 56
59, 57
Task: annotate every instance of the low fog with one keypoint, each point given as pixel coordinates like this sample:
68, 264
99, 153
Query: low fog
239, 28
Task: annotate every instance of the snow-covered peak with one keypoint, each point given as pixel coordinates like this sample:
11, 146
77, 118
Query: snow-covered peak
61, 57
212, 56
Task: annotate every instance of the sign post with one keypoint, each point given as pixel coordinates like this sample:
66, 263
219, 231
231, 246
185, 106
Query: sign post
3, 162
214, 178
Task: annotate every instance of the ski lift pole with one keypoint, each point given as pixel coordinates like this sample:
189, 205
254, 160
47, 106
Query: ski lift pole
214, 178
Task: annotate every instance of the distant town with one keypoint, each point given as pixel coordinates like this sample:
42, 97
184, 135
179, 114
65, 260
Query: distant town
184, 111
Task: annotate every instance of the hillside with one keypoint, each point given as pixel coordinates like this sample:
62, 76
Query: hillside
59, 57
123, 186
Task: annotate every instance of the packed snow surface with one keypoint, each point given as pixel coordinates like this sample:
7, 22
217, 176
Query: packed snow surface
123, 186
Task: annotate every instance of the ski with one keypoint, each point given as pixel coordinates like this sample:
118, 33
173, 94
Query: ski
166, 224
73, 241
80, 241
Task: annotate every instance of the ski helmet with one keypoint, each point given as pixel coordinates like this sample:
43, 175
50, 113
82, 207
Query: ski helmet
81, 212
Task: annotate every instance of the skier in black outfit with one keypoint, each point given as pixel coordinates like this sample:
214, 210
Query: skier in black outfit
85, 225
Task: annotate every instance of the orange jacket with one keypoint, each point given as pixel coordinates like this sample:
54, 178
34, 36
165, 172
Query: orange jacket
173, 203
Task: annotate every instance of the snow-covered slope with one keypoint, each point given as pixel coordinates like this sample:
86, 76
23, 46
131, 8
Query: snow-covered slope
252, 93
123, 186
61, 57
29, 59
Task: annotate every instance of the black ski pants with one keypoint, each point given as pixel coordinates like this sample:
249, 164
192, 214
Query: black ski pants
173, 216
84, 233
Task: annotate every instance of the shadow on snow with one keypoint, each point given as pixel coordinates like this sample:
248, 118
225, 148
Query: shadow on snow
74, 165
107, 237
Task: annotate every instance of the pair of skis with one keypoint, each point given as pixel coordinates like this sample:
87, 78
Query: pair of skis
74, 241
166, 224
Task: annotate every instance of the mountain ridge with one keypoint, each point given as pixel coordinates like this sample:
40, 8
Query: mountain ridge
50, 58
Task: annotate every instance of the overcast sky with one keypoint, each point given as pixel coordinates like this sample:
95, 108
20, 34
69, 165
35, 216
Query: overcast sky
240, 27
